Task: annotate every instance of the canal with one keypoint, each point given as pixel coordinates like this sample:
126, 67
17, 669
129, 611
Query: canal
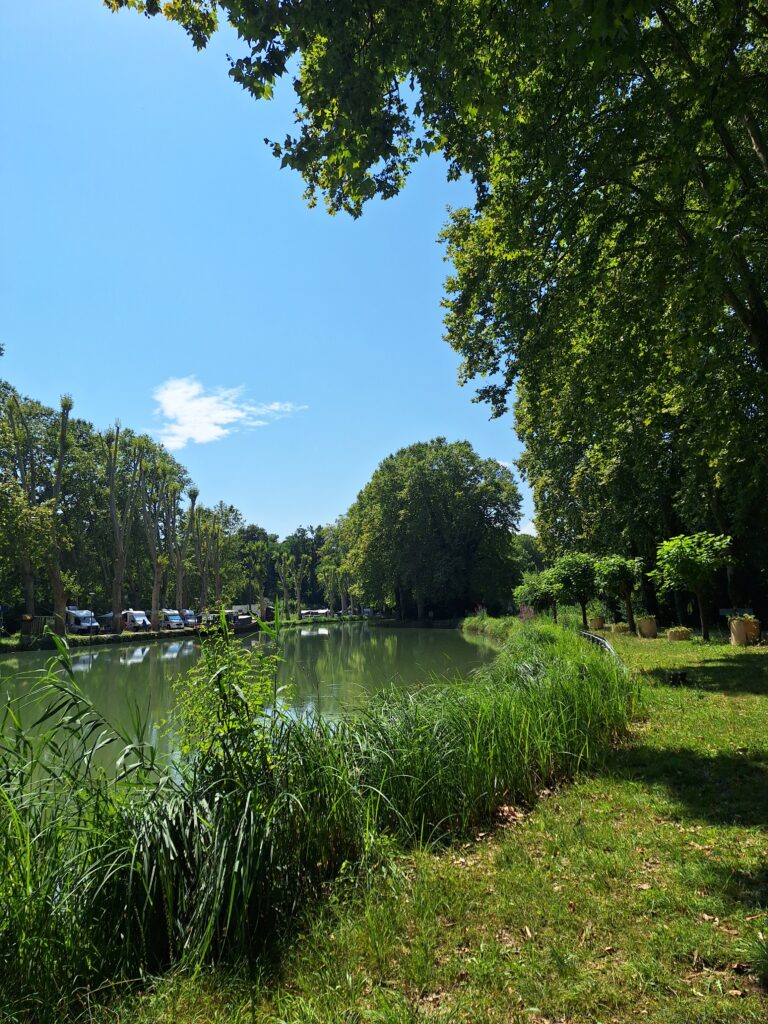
329, 668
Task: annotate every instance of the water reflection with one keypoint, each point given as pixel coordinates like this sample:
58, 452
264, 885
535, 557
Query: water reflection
328, 668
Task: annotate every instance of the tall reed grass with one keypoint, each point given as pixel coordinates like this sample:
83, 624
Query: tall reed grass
107, 876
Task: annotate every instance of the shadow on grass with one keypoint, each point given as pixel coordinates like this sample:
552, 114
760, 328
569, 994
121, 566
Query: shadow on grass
724, 789
720, 675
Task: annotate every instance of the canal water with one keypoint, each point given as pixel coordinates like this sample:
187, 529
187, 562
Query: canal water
330, 668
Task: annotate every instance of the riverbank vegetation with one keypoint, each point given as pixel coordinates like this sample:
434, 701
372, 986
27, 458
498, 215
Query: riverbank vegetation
638, 893
209, 859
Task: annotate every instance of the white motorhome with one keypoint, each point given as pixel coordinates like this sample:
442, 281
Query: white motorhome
81, 622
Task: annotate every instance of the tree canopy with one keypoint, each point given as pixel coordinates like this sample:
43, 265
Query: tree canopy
613, 269
435, 527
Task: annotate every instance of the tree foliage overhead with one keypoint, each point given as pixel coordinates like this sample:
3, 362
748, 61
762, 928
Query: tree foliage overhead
614, 268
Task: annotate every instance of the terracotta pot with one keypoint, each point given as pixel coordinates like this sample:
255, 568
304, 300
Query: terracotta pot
596, 622
753, 631
738, 628
646, 627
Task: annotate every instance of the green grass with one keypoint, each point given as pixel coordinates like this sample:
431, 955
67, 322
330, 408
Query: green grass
638, 893
213, 858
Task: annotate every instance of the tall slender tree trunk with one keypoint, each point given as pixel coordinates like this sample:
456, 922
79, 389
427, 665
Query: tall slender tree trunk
179, 584
630, 613
419, 607
157, 586
59, 600
344, 602
27, 584
703, 616
118, 583
583, 614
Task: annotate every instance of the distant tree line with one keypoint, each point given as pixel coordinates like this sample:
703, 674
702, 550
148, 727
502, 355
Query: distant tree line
110, 519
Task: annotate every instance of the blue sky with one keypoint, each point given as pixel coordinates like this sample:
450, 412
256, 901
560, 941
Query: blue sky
157, 264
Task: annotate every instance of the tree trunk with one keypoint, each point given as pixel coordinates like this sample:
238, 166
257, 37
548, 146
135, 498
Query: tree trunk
179, 585
27, 585
117, 594
630, 613
344, 603
703, 616
285, 598
157, 584
679, 608
419, 607
59, 600
583, 614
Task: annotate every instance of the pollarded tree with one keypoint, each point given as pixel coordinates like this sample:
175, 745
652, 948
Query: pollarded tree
540, 590
618, 577
575, 572
691, 563
124, 461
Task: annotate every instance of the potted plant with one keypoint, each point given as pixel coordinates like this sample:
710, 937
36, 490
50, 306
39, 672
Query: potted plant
646, 626
744, 630
753, 629
679, 633
737, 626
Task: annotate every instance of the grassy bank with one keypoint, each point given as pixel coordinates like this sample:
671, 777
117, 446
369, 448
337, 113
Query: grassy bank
212, 859
636, 894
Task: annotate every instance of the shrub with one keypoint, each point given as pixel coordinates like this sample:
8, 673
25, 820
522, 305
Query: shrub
620, 627
679, 633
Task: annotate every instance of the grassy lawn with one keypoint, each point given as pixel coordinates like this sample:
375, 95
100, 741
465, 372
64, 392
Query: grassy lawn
636, 894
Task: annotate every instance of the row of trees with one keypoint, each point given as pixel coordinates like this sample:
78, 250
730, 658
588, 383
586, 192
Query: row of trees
683, 564
613, 272
109, 518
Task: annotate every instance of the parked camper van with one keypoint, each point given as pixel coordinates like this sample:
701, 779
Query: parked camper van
81, 622
170, 619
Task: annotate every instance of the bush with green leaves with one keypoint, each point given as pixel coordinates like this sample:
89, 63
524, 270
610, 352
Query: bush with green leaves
691, 563
617, 578
540, 590
575, 575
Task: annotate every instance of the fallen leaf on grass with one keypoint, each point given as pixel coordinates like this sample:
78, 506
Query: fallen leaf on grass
644, 886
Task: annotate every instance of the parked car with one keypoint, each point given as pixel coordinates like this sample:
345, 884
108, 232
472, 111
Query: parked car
81, 622
170, 619
188, 617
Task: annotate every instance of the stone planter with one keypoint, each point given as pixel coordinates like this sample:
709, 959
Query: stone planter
596, 622
646, 627
753, 631
738, 628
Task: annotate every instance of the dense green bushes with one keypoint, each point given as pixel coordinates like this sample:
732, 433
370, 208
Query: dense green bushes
106, 876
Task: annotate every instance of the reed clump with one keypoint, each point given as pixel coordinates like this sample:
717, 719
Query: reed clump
106, 875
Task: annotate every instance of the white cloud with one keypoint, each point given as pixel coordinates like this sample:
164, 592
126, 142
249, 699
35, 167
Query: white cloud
193, 414
529, 528
506, 465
